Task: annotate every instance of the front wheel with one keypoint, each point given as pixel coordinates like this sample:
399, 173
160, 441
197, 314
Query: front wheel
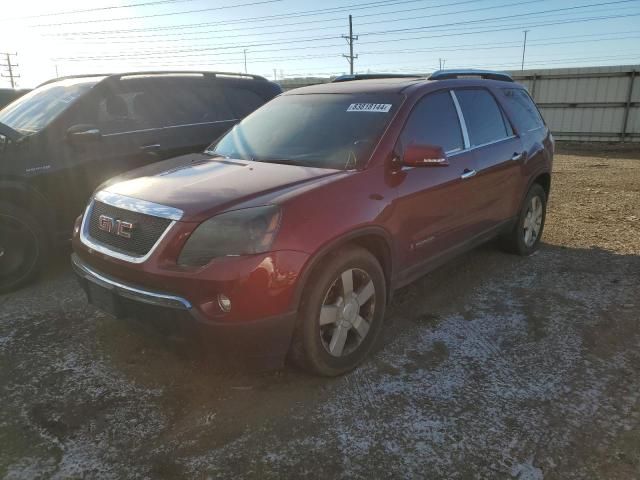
341, 314
23, 247
524, 239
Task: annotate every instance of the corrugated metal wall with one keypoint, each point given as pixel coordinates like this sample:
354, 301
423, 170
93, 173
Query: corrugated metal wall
588, 104
580, 104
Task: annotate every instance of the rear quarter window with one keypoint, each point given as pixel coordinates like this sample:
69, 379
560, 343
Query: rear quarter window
524, 112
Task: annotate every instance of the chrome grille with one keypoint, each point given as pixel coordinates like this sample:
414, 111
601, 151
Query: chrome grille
146, 232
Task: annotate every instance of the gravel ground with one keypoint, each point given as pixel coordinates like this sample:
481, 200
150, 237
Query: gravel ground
493, 366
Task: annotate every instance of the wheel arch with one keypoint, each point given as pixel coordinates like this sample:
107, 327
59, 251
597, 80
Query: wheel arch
374, 239
21, 195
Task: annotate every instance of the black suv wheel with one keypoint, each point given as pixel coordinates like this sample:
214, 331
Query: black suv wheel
23, 246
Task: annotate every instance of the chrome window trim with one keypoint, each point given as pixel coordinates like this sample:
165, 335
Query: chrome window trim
143, 130
463, 123
484, 145
128, 291
137, 205
140, 206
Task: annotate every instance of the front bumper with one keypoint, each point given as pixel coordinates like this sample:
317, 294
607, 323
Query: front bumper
267, 337
120, 289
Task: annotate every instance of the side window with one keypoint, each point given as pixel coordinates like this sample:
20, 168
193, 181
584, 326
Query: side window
109, 109
242, 100
483, 116
434, 121
525, 113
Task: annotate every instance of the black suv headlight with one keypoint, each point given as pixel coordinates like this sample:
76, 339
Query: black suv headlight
239, 232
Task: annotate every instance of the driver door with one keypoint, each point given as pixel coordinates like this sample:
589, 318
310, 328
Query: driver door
433, 200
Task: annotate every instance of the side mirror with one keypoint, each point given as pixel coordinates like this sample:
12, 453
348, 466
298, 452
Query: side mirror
424, 156
83, 133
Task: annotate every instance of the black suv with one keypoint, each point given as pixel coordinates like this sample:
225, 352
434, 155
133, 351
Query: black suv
64, 138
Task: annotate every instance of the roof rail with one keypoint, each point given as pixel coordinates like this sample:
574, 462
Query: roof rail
157, 72
373, 76
68, 77
189, 72
488, 74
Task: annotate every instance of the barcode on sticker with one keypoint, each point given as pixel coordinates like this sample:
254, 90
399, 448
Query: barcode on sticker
369, 107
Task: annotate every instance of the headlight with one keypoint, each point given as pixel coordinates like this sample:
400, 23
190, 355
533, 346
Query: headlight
239, 232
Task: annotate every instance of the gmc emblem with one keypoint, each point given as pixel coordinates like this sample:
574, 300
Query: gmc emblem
117, 227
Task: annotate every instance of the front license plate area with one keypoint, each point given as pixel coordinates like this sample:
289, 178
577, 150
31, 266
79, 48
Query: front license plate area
103, 299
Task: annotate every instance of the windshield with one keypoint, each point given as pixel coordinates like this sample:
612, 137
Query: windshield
337, 131
35, 110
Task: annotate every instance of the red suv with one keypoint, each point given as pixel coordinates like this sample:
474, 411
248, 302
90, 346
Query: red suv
300, 221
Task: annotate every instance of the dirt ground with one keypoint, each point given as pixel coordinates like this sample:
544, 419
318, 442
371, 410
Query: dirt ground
493, 366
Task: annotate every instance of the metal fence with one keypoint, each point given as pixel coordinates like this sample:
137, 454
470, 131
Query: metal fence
587, 104
579, 104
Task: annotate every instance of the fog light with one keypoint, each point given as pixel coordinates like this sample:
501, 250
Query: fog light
224, 302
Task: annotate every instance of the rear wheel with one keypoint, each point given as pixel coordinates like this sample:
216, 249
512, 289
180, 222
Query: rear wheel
342, 313
23, 246
524, 239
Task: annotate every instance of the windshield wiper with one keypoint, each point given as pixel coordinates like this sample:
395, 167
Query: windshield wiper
283, 161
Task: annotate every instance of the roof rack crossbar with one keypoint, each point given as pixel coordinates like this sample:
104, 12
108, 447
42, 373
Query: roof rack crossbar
488, 74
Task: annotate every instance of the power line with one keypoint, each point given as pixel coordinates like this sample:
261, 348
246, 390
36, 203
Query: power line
485, 46
306, 29
387, 32
155, 15
95, 9
380, 3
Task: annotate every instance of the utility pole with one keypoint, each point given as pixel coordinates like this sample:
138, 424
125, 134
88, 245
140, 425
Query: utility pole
350, 39
9, 66
275, 76
524, 48
245, 60
442, 62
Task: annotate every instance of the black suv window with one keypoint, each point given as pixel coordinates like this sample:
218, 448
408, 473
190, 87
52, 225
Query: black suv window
242, 100
525, 113
168, 102
434, 121
483, 117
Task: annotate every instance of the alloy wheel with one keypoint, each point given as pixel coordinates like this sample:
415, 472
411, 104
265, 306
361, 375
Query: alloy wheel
532, 221
347, 312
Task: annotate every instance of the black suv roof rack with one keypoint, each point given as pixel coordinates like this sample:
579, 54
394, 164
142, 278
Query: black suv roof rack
158, 72
373, 76
488, 74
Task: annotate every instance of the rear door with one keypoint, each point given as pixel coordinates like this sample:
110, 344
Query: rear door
498, 155
192, 110
432, 201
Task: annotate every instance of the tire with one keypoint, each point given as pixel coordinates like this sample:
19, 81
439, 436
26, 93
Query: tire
524, 238
23, 247
351, 317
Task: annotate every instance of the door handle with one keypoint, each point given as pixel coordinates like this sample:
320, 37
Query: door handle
517, 156
468, 173
151, 148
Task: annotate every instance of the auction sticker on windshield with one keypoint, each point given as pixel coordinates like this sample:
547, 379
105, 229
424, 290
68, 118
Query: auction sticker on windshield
369, 107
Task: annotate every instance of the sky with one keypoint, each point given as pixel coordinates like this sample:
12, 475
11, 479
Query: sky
297, 38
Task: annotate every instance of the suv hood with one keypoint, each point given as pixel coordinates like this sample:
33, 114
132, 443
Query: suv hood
201, 186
